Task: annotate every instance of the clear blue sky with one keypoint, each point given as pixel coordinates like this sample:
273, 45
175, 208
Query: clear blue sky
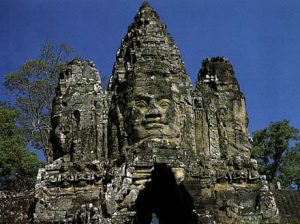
261, 39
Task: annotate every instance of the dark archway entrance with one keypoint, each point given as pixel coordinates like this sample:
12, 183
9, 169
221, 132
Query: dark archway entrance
162, 197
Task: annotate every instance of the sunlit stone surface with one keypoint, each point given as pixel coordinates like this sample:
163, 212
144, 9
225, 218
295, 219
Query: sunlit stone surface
152, 147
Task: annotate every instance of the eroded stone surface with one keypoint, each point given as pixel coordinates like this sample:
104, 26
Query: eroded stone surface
16, 207
152, 144
68, 190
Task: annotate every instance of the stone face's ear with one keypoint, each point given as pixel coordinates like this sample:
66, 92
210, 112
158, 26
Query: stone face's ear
121, 88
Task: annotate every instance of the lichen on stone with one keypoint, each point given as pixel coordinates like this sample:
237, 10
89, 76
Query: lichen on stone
151, 146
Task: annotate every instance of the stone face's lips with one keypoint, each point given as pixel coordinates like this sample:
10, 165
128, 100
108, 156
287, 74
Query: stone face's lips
153, 120
154, 125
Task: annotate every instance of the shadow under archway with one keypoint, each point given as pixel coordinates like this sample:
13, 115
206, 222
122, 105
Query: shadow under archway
171, 203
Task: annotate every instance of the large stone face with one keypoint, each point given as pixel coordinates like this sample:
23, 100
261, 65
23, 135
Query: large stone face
69, 189
152, 145
150, 84
79, 113
221, 112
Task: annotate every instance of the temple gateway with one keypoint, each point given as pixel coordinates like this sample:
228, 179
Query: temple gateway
152, 148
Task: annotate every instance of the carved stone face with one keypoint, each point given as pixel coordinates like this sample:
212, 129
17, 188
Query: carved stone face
152, 116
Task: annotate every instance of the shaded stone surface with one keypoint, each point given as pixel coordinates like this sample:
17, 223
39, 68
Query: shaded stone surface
16, 207
152, 145
68, 190
79, 115
221, 124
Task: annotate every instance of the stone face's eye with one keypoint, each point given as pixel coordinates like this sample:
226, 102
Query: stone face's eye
141, 104
164, 103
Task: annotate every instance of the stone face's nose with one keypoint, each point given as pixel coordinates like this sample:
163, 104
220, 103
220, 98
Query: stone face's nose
153, 111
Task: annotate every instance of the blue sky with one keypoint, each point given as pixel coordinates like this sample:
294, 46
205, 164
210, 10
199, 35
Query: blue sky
261, 39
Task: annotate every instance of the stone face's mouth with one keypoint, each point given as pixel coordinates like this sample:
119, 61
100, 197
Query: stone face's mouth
153, 122
154, 125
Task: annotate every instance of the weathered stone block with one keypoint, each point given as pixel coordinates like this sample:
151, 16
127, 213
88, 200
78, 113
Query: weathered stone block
151, 144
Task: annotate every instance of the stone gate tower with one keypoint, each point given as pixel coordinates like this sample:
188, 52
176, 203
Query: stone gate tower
152, 145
